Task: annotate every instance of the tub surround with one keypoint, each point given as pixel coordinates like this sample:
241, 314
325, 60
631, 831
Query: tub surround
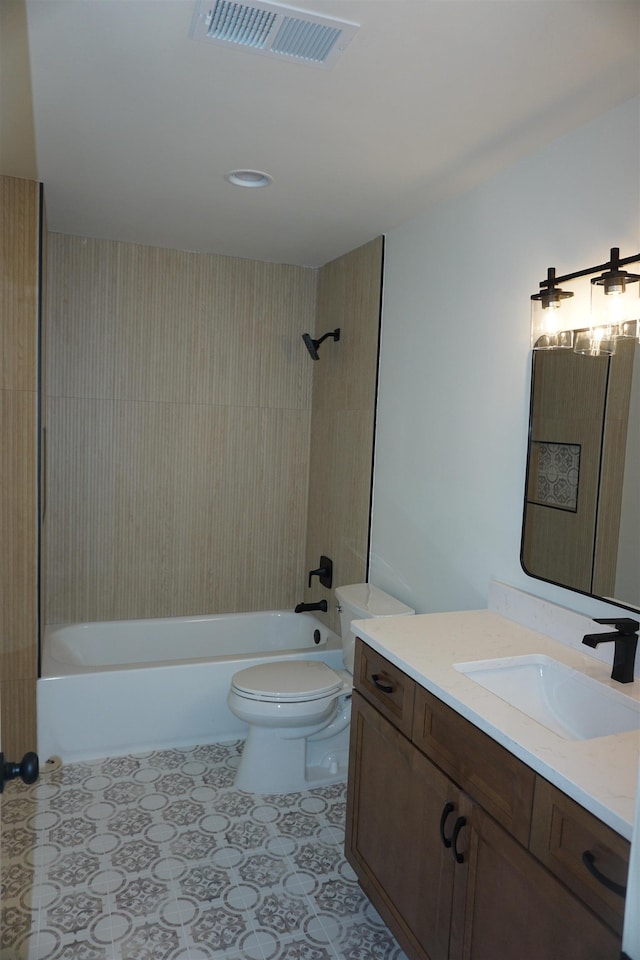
600, 774
174, 381
343, 420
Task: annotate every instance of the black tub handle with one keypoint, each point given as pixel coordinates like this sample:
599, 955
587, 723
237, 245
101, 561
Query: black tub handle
589, 861
385, 687
459, 824
446, 810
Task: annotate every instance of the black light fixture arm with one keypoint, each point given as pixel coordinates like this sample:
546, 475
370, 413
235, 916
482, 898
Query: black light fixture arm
614, 263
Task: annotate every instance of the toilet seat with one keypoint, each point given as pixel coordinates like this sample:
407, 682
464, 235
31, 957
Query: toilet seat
290, 681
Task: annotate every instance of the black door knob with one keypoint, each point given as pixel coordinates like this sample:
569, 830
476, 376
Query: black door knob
28, 769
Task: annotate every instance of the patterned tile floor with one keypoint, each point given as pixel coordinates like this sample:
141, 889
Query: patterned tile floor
157, 857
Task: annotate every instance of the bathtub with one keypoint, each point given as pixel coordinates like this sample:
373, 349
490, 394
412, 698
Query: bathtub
129, 686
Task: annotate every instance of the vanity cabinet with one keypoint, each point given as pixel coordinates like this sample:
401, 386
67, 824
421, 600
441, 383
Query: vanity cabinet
447, 832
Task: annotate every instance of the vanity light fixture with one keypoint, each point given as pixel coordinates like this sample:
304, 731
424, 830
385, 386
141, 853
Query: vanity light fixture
614, 280
546, 315
614, 313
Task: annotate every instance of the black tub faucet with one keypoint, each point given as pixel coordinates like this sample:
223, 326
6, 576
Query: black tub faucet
324, 572
625, 638
309, 607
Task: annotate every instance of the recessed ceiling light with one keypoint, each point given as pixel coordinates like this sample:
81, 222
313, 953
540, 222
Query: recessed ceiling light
248, 178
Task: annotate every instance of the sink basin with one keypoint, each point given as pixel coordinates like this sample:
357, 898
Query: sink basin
564, 700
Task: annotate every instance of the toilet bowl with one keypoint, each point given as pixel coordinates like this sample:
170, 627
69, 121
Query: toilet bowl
298, 711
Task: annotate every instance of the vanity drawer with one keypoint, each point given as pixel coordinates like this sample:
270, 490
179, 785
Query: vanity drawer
500, 782
385, 686
562, 833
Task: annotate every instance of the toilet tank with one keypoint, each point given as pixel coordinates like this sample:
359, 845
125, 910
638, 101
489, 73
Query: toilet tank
363, 601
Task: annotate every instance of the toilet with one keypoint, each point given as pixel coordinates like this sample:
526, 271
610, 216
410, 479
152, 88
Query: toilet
299, 711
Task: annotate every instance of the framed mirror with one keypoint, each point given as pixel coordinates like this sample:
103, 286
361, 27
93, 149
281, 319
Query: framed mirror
581, 525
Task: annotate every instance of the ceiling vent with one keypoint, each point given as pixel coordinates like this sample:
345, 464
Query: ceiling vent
273, 30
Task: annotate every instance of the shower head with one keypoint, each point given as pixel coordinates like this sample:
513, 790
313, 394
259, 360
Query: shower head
312, 345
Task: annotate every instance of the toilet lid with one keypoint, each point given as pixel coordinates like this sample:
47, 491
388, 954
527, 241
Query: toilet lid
288, 680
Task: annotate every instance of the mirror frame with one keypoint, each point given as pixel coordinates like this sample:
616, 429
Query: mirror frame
626, 605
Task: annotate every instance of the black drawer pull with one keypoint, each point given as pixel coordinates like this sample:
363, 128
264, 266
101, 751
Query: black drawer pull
446, 810
590, 863
459, 824
385, 687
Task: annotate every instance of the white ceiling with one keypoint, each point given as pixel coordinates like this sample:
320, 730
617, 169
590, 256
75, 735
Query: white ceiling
136, 124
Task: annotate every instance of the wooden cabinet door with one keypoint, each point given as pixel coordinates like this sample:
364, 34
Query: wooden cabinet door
562, 834
501, 783
508, 906
396, 798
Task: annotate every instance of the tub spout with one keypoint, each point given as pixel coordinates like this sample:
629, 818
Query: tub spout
308, 607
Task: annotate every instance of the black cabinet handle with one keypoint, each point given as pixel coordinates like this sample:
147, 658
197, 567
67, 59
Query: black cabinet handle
459, 824
446, 810
385, 687
590, 863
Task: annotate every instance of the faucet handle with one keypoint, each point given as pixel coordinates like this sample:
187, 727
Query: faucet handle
625, 626
324, 572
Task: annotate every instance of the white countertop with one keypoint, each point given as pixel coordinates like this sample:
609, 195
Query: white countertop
600, 774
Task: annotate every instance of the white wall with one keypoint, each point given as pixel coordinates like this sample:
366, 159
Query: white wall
455, 361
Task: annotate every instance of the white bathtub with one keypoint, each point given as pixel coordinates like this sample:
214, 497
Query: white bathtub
128, 686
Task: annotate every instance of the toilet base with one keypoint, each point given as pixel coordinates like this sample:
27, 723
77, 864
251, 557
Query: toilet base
273, 764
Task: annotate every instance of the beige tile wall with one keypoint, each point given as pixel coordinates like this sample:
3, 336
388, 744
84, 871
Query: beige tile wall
179, 405
180, 442
19, 303
343, 419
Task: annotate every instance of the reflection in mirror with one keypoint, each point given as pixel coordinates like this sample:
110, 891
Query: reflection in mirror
581, 527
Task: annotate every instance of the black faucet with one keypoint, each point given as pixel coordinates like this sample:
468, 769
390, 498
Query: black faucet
324, 572
308, 607
626, 642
